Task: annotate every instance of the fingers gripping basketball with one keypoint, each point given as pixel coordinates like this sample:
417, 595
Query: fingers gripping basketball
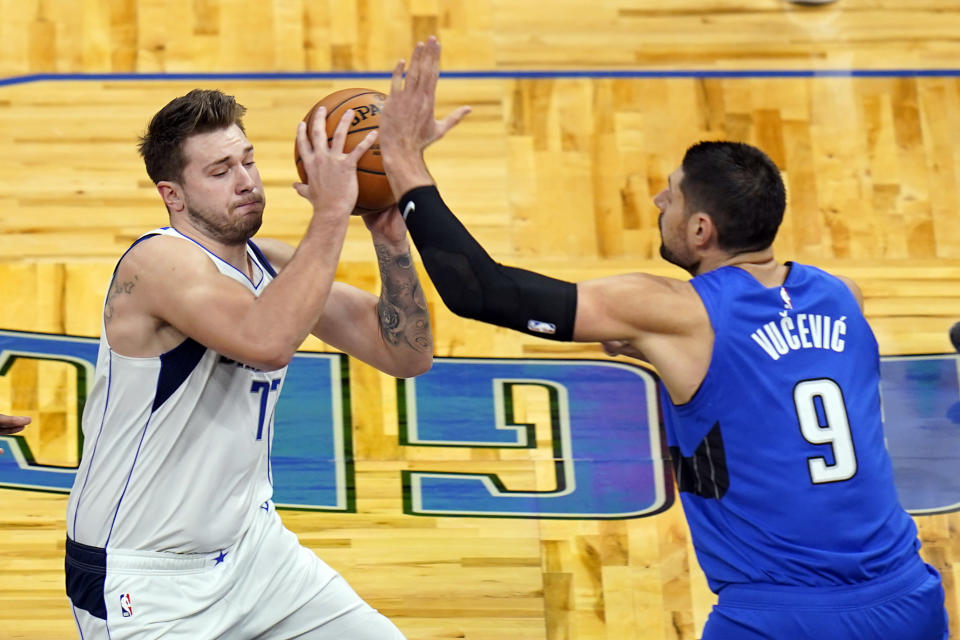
374, 190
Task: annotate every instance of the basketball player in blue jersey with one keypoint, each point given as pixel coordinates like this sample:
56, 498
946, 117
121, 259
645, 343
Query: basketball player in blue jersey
770, 385
171, 530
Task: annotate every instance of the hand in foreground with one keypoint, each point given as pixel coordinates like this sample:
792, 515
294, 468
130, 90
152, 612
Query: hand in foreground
10, 425
407, 123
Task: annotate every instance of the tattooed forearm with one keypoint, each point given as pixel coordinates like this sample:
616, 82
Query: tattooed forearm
117, 288
404, 318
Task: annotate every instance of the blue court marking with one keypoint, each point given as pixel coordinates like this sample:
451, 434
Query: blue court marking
921, 414
491, 74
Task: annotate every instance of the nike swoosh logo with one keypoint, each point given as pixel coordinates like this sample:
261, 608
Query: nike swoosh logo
407, 210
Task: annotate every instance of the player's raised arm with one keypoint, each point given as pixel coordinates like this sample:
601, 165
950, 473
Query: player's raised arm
470, 282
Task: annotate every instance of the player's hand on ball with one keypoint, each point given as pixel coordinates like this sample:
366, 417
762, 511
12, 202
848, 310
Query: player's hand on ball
373, 187
332, 174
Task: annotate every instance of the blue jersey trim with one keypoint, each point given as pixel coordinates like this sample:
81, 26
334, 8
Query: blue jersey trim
248, 279
76, 620
263, 259
269, 452
135, 243
126, 485
93, 454
176, 366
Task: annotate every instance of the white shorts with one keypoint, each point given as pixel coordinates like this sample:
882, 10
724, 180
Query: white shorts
266, 586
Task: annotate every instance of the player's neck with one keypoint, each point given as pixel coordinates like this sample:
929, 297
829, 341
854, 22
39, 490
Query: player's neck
760, 264
234, 254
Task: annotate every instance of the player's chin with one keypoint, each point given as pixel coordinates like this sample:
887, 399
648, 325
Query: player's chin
254, 225
246, 226
250, 209
249, 216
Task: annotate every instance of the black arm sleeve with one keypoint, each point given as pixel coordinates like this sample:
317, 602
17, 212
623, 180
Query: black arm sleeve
473, 285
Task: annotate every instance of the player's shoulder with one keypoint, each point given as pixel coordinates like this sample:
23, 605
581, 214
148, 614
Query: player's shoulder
846, 281
165, 255
854, 288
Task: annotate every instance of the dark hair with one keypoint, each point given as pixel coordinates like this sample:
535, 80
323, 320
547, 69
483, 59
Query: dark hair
200, 111
740, 188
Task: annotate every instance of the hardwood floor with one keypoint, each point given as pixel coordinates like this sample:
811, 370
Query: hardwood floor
553, 171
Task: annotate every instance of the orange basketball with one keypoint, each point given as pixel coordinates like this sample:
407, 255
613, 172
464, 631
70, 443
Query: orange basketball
375, 193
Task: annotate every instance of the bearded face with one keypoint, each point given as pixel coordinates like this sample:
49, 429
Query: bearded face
221, 187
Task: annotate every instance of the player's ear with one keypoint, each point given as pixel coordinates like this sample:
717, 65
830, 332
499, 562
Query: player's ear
701, 229
172, 195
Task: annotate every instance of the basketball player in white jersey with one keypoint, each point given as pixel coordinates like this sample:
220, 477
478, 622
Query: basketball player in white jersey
171, 531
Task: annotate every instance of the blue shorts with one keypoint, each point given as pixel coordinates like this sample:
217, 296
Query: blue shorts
907, 605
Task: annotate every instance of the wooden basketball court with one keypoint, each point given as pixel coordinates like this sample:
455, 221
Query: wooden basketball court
553, 171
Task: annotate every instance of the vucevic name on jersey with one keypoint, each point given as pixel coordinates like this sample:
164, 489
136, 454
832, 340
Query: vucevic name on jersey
808, 331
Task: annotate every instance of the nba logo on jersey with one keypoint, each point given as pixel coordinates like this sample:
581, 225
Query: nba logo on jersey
786, 298
125, 607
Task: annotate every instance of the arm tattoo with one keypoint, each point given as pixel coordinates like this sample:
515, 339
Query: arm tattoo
117, 288
404, 318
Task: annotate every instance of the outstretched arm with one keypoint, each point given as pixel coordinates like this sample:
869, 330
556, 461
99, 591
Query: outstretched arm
469, 281
475, 286
659, 318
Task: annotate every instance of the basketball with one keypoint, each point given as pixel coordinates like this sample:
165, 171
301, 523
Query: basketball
374, 190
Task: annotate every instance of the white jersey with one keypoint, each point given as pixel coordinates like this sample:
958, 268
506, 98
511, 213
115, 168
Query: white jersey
176, 452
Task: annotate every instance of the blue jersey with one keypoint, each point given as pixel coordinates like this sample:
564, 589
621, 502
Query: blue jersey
779, 456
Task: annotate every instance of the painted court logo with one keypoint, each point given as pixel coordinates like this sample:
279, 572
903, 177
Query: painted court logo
125, 607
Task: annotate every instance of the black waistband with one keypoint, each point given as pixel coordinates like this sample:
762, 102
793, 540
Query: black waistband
86, 572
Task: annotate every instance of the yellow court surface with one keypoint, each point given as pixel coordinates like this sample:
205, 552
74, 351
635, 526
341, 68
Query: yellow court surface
580, 111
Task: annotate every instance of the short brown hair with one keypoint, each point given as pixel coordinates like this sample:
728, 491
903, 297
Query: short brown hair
200, 111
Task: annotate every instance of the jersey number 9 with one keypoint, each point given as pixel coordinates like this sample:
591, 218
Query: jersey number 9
833, 429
